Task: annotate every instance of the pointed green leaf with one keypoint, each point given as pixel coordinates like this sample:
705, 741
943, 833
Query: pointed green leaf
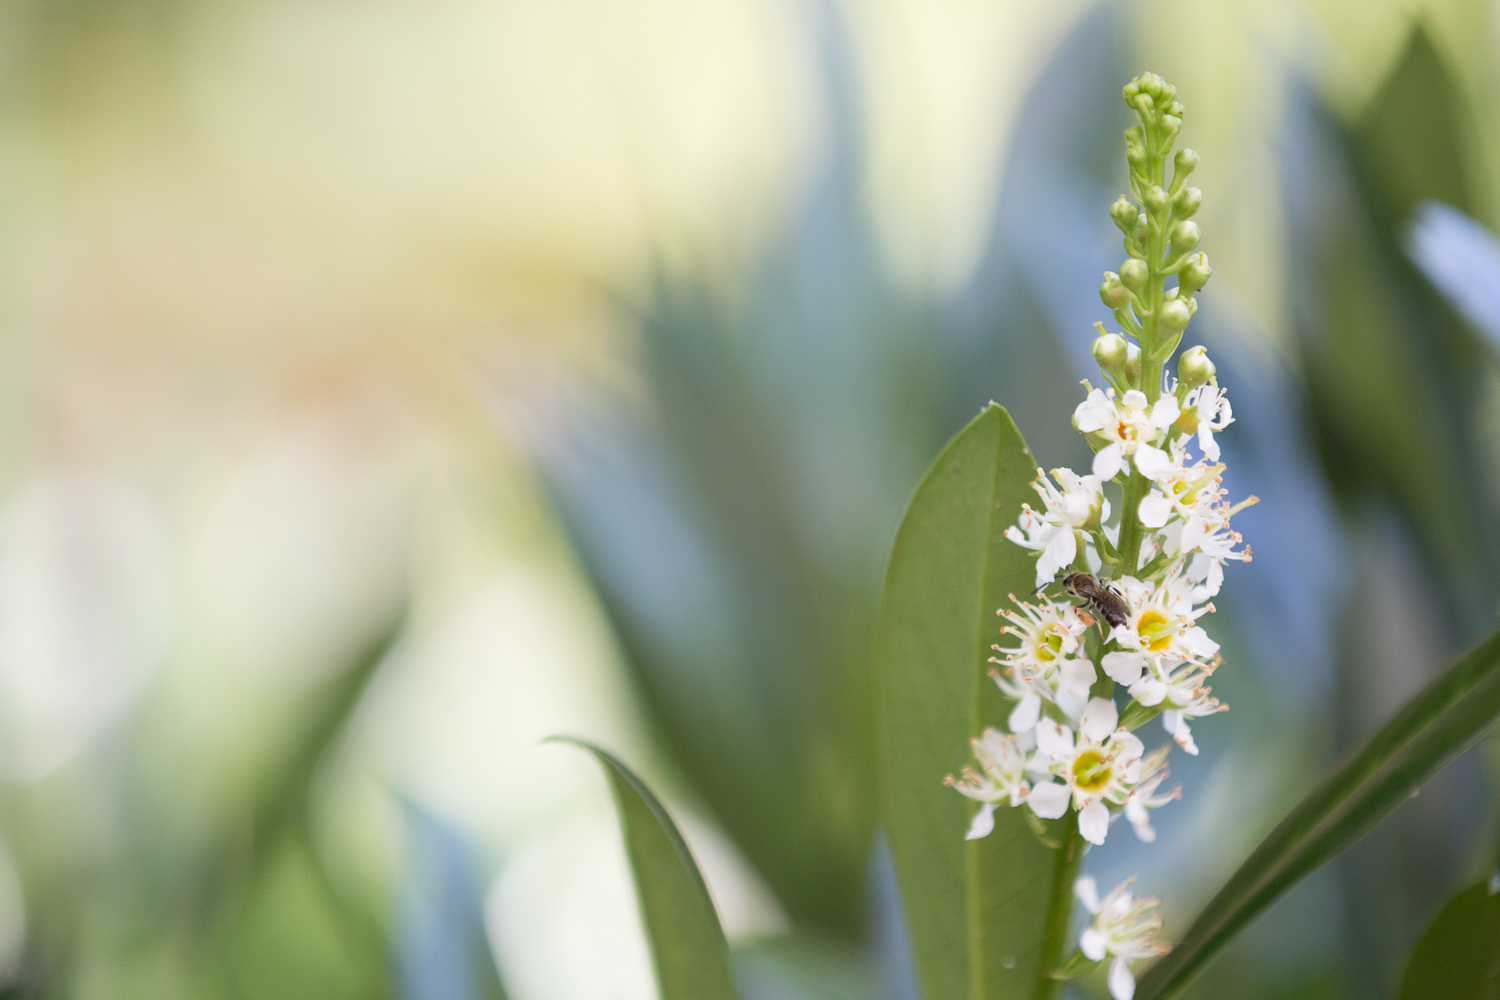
977, 911
687, 943
1443, 720
1458, 958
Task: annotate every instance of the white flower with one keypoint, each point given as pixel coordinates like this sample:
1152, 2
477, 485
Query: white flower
1211, 406
1159, 631
1190, 493
1043, 667
1143, 798
1053, 533
1001, 777
1124, 929
1098, 770
1188, 509
1129, 429
1194, 703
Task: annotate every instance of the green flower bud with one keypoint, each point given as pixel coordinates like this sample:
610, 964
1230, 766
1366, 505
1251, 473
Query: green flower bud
1112, 293
1176, 110
1175, 314
1124, 213
1156, 198
1186, 161
1172, 124
1132, 365
1194, 368
1135, 154
1195, 273
1188, 201
1185, 236
1111, 351
1134, 273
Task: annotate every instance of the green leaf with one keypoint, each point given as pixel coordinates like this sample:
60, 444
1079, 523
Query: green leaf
1458, 958
986, 917
1443, 720
687, 943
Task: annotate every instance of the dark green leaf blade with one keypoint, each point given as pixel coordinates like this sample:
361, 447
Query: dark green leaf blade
687, 943
976, 910
1443, 720
1458, 957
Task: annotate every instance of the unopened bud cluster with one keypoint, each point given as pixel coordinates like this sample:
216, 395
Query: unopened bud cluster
1119, 599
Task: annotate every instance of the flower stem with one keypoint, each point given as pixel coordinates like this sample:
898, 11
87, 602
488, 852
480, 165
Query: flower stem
1136, 488
1060, 909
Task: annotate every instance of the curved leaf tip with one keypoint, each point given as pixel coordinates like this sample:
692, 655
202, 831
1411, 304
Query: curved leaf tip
687, 943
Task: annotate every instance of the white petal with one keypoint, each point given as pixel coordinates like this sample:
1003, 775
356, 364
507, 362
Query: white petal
1206, 441
1025, 714
1144, 831
984, 822
1076, 508
1061, 548
1134, 399
1121, 982
1149, 691
1215, 578
1092, 944
1072, 705
1198, 641
1151, 462
1154, 510
1123, 668
1091, 414
1184, 738
1170, 721
1108, 462
1087, 891
1135, 812
1165, 413
1099, 719
1128, 746
1077, 676
1193, 534
1053, 739
1093, 822
1049, 800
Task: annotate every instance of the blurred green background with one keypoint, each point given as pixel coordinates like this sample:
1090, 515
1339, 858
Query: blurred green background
387, 386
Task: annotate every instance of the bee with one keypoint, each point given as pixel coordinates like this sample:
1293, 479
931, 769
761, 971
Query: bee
1102, 597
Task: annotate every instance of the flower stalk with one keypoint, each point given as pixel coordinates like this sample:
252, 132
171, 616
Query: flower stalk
1071, 753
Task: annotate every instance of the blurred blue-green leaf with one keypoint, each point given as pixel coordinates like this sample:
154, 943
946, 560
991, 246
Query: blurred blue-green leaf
687, 943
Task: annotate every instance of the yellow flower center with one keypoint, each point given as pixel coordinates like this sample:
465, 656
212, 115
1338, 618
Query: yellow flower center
1091, 771
1049, 647
1155, 631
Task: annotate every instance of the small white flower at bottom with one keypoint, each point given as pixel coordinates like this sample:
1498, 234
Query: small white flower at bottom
1001, 777
1124, 929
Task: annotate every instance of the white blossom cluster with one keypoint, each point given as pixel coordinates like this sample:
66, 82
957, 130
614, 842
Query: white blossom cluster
1119, 598
1065, 747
